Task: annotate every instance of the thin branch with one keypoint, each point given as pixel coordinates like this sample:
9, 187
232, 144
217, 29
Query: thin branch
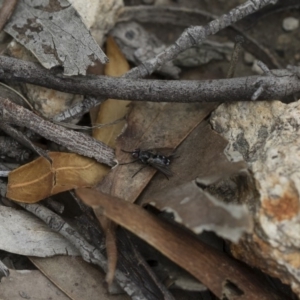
184, 17
76, 142
282, 84
195, 35
77, 110
22, 139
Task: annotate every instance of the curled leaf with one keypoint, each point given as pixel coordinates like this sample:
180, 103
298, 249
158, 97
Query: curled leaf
40, 179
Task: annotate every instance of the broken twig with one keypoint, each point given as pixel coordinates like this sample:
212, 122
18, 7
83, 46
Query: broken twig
76, 142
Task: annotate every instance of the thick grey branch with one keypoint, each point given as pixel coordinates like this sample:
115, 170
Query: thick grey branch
74, 141
282, 84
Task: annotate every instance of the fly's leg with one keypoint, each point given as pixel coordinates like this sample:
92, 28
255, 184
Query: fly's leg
126, 151
140, 169
165, 175
130, 162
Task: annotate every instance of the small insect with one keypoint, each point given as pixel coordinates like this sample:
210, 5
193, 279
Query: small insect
151, 158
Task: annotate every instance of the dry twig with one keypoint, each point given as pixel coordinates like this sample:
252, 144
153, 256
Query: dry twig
195, 35
74, 141
282, 84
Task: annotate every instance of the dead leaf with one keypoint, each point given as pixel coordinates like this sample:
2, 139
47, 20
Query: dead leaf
112, 110
213, 268
40, 179
84, 281
54, 32
150, 125
24, 234
29, 284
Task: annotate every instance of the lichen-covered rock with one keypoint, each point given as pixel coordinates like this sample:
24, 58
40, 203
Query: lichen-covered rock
267, 136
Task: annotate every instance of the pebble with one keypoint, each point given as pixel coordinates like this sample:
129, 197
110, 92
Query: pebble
256, 68
249, 58
290, 24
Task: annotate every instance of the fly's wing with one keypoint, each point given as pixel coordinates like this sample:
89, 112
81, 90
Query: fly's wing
160, 167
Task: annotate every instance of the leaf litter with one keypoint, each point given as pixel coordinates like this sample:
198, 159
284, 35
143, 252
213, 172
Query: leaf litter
210, 266
169, 126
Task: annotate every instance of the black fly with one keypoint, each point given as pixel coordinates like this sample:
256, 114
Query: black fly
151, 158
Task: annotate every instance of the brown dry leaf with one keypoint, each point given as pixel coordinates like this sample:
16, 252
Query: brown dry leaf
40, 179
150, 125
112, 110
84, 281
221, 274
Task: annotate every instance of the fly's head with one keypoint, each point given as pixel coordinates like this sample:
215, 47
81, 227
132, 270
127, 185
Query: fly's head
135, 153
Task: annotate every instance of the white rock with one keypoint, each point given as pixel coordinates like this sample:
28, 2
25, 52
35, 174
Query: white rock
290, 24
267, 136
249, 58
256, 68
